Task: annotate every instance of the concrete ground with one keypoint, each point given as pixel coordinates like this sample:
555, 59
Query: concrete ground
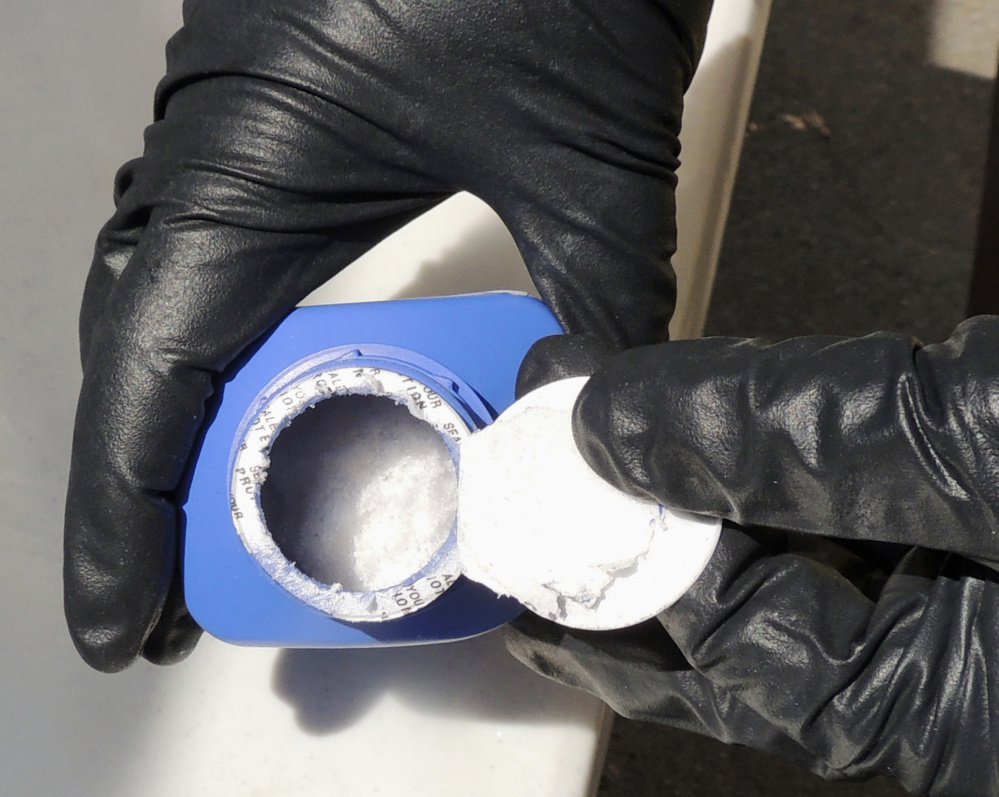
855, 210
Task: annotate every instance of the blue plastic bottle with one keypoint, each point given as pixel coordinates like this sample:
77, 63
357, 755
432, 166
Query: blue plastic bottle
455, 359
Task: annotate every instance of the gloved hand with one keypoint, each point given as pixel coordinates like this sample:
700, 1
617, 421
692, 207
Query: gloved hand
873, 648
291, 137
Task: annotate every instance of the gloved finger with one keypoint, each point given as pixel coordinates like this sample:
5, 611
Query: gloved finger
872, 438
584, 172
561, 357
599, 251
115, 246
641, 674
176, 632
901, 682
237, 224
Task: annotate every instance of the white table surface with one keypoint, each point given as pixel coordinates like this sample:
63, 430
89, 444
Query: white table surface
76, 83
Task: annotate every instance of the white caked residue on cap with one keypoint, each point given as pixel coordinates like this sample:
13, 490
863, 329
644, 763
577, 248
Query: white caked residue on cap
535, 522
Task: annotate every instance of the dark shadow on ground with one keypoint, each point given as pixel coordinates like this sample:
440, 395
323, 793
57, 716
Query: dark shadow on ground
857, 198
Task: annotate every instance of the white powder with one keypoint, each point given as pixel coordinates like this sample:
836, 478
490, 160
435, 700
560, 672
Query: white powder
536, 523
359, 497
359, 492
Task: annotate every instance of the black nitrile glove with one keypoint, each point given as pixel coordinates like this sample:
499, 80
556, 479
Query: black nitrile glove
844, 624
291, 137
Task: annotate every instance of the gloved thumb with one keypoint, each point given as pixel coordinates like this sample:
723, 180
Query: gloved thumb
869, 438
562, 357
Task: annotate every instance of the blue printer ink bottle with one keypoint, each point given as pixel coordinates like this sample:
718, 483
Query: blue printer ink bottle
451, 362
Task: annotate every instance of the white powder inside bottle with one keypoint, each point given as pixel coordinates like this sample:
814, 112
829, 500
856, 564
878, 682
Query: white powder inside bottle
359, 492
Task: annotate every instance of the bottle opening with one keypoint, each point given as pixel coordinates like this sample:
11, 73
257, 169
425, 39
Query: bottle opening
344, 488
359, 492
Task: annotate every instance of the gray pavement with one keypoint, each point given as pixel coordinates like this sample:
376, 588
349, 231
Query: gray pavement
855, 210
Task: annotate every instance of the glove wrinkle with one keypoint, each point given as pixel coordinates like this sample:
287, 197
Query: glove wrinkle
867, 687
641, 675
